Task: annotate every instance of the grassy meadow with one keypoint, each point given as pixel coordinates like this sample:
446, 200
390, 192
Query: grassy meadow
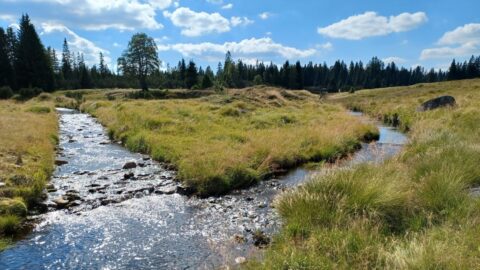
227, 141
28, 135
415, 211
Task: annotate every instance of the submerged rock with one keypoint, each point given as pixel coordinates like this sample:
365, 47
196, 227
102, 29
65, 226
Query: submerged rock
61, 203
438, 102
130, 165
59, 162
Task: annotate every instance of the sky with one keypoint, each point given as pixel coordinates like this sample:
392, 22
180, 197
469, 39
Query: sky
429, 33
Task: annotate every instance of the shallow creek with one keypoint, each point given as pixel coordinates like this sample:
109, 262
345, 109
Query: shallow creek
137, 218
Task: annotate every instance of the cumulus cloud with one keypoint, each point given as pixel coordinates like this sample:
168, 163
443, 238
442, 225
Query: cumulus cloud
77, 43
194, 24
254, 48
242, 21
460, 42
103, 14
371, 24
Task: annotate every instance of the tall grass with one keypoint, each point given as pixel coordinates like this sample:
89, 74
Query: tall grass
415, 211
28, 135
228, 141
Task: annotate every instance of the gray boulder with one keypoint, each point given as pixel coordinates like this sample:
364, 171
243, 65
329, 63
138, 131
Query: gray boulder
438, 102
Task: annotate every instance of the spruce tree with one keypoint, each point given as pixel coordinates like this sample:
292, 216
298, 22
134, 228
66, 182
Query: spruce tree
6, 73
191, 75
32, 65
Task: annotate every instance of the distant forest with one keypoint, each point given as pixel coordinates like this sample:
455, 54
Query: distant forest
26, 63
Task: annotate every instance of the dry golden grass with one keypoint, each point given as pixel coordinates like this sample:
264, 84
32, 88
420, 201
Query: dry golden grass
223, 142
415, 211
27, 150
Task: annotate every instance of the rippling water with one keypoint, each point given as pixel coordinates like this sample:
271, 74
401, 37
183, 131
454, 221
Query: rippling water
122, 223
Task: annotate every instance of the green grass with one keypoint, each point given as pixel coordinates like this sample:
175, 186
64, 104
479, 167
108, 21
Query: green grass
28, 136
224, 142
414, 211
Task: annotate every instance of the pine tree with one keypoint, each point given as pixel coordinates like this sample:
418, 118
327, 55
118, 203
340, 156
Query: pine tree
32, 65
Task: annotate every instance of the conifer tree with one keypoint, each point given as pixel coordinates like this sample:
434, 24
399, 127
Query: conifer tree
32, 65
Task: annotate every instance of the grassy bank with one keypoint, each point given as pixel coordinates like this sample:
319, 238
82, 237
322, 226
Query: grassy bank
27, 150
223, 142
416, 211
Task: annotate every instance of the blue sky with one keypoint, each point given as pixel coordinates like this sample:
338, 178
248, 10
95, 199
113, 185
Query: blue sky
411, 32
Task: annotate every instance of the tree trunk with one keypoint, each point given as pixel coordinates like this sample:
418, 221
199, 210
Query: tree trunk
143, 83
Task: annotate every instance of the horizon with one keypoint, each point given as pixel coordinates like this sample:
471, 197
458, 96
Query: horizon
409, 34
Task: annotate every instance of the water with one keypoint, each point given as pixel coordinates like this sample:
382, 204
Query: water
120, 223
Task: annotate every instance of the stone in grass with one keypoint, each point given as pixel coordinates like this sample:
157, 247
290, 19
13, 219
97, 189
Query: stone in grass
260, 239
438, 102
240, 260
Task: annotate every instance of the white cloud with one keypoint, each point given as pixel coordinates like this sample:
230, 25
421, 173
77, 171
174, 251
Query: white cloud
194, 24
77, 43
371, 24
463, 34
227, 6
265, 15
325, 46
462, 42
161, 4
103, 14
243, 21
8, 18
394, 59
261, 48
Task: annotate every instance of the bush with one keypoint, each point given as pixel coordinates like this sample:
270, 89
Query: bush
77, 95
28, 93
9, 224
5, 92
45, 97
13, 207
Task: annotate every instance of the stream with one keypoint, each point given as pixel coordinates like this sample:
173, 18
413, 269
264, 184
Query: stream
135, 216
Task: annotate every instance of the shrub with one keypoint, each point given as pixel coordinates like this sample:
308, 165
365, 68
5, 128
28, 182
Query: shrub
77, 95
28, 93
44, 97
5, 92
13, 207
9, 224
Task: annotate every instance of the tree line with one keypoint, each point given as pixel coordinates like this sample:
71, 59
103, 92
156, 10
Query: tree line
25, 63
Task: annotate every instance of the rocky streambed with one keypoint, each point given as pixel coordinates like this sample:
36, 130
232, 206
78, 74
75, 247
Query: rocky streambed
113, 209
